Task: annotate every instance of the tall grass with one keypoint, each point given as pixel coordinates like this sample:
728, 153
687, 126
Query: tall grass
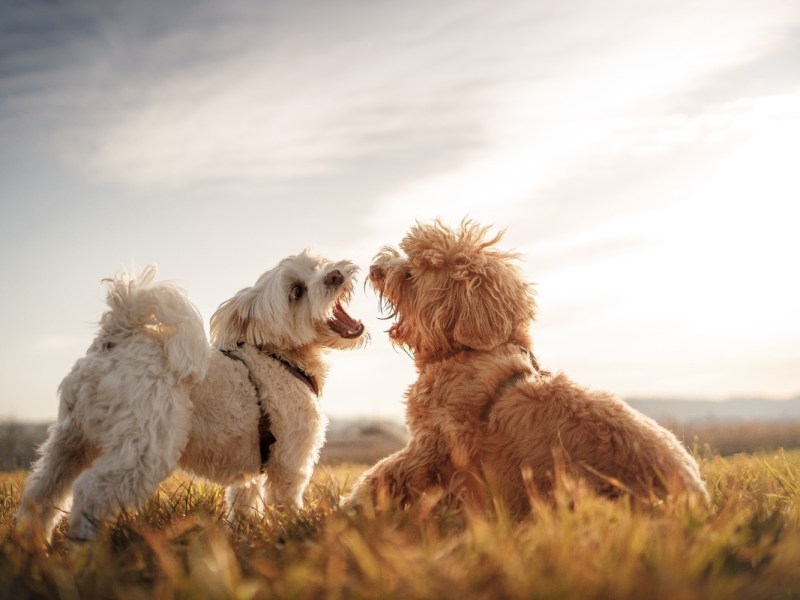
732, 437
745, 545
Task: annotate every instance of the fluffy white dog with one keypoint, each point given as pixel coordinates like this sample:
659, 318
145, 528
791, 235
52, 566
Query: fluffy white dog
152, 395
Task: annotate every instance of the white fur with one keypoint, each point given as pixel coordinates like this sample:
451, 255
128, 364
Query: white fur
151, 395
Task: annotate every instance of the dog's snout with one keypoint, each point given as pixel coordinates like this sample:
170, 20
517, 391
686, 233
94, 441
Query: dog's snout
333, 278
376, 272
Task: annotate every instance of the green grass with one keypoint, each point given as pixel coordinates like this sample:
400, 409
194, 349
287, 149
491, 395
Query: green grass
745, 545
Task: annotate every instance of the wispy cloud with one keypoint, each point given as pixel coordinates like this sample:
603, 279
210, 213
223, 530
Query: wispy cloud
594, 111
168, 95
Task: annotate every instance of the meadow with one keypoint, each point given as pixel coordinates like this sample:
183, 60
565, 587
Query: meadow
745, 545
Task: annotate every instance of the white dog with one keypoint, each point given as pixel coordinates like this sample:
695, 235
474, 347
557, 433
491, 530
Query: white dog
152, 395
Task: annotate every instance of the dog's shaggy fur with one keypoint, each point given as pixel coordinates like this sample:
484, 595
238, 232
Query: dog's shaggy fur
151, 395
483, 418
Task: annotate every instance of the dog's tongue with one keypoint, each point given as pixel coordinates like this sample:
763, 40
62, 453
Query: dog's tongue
343, 324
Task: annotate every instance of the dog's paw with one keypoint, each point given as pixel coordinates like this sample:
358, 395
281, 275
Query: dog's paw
30, 538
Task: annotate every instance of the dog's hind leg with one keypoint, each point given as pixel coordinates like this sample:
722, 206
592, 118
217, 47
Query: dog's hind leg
47, 490
116, 481
132, 463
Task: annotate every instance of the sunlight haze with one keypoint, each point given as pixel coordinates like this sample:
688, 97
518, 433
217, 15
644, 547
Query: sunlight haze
642, 158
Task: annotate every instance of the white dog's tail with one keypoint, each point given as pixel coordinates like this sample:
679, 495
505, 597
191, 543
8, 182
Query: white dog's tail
160, 310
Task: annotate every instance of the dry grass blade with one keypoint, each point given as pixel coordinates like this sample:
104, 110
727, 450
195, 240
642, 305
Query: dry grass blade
746, 545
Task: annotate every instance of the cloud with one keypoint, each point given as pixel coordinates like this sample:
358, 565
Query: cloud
160, 95
594, 110
259, 94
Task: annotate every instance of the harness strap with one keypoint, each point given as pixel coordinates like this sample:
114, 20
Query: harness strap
309, 380
265, 436
534, 362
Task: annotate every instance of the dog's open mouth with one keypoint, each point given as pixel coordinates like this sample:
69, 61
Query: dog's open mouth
343, 324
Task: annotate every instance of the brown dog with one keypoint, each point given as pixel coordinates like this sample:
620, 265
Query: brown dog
482, 417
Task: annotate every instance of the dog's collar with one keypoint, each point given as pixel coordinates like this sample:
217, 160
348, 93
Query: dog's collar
296, 371
306, 378
523, 349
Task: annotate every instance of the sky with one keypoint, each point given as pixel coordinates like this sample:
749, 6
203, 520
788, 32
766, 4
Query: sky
643, 158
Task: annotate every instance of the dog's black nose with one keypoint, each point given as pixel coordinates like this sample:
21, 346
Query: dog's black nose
375, 272
335, 277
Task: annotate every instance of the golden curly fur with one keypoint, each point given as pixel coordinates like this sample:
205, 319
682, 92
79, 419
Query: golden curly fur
482, 417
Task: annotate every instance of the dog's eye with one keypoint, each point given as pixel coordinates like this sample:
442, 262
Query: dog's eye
297, 291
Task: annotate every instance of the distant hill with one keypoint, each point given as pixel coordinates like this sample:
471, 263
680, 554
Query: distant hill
735, 409
358, 441
366, 441
18, 443
362, 441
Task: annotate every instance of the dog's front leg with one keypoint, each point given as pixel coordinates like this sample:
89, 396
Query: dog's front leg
300, 432
246, 500
401, 477
288, 470
286, 484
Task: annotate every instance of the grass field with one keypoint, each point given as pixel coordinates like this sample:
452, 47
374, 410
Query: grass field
746, 545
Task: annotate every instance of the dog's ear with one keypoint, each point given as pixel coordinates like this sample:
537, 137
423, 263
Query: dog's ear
493, 307
229, 324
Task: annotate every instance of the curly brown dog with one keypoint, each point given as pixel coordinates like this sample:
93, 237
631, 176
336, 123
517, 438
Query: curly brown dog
483, 418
